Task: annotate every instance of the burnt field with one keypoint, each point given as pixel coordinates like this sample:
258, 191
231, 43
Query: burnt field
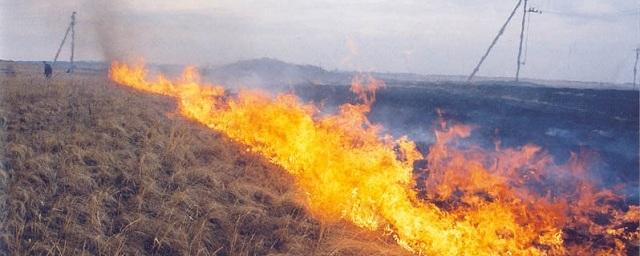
603, 124
92, 167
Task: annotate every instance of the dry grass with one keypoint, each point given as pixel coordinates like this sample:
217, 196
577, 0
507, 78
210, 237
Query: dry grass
90, 168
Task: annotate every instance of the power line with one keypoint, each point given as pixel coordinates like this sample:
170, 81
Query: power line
610, 15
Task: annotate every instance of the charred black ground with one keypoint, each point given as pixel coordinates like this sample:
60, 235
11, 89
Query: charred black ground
560, 120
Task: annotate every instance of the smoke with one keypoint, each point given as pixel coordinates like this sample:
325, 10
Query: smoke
116, 37
33, 30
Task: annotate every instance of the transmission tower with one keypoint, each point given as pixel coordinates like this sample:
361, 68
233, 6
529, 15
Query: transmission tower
70, 29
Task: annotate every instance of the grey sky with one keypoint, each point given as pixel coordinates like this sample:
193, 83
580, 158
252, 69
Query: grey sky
590, 40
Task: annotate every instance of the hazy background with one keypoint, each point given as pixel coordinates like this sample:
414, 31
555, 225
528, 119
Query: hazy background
591, 40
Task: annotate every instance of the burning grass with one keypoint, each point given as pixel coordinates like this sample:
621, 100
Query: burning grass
91, 168
475, 202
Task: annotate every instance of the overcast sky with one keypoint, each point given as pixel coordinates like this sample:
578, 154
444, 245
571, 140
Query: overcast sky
590, 40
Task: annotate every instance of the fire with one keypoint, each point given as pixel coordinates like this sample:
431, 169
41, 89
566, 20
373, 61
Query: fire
473, 202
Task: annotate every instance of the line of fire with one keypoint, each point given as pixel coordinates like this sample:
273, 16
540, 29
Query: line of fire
128, 156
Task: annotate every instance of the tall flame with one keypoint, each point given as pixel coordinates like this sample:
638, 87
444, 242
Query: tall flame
474, 201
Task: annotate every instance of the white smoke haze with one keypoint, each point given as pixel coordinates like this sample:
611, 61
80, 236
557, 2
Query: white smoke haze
572, 40
115, 35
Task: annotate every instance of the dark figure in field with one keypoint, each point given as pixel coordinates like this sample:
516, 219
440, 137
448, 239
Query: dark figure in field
47, 70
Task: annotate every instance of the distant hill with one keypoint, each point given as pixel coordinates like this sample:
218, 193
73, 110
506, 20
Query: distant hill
272, 72
277, 74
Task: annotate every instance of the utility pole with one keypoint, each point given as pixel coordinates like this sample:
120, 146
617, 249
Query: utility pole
504, 26
524, 22
495, 40
70, 29
635, 68
73, 40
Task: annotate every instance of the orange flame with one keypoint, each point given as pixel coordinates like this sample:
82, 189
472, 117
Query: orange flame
475, 202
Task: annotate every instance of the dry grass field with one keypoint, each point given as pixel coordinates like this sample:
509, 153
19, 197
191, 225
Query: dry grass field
92, 168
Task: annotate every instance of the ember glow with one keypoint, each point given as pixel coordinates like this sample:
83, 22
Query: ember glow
473, 201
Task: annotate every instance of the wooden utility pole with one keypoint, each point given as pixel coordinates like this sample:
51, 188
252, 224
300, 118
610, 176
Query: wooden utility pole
635, 67
524, 20
522, 31
495, 40
70, 29
73, 40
